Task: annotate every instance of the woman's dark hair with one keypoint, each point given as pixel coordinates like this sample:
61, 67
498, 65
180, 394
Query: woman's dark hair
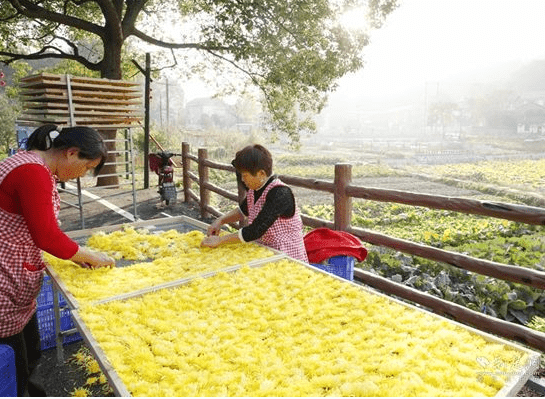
88, 141
253, 158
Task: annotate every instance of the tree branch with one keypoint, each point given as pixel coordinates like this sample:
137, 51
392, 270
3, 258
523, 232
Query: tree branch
79, 3
75, 50
9, 17
42, 54
118, 4
33, 11
112, 16
109, 10
199, 46
168, 66
251, 75
134, 7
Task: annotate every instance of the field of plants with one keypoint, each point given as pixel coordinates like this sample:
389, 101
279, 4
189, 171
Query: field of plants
482, 237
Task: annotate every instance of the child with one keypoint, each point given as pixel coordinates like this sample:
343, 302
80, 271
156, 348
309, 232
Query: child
273, 216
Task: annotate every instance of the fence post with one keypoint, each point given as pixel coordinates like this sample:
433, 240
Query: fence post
186, 165
203, 179
343, 203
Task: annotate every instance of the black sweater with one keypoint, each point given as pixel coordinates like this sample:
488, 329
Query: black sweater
279, 203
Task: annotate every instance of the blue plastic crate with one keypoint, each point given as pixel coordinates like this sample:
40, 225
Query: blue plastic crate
342, 266
8, 382
45, 297
46, 326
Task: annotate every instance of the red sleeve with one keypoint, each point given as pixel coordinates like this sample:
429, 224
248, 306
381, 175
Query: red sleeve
31, 184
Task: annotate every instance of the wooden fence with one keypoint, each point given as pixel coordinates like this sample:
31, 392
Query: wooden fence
343, 192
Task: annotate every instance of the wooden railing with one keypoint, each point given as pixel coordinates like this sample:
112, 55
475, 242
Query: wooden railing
343, 192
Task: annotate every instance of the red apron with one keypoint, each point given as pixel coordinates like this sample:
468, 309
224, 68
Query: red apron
285, 234
21, 264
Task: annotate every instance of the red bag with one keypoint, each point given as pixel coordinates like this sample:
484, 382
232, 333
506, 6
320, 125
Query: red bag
323, 243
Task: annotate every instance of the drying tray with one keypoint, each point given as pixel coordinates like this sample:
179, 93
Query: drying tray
512, 386
182, 224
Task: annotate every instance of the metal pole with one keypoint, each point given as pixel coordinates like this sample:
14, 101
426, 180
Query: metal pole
168, 109
146, 120
131, 149
73, 123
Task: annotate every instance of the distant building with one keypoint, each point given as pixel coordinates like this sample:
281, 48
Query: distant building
530, 118
209, 112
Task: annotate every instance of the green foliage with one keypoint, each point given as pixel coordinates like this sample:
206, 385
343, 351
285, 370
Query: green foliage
515, 180
8, 115
290, 160
20, 70
537, 323
221, 177
75, 68
326, 212
223, 144
168, 141
71, 68
509, 301
322, 167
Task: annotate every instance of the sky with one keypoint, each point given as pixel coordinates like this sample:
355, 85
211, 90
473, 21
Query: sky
430, 40
425, 41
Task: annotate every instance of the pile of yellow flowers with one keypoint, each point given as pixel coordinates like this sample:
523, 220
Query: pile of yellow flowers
96, 382
283, 329
159, 258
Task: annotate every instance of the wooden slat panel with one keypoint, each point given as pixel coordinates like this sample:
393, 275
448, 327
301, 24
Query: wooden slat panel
84, 107
85, 121
82, 94
88, 112
79, 121
50, 79
82, 86
56, 94
105, 118
63, 99
36, 120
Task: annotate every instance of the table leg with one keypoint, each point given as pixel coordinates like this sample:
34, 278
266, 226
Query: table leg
58, 333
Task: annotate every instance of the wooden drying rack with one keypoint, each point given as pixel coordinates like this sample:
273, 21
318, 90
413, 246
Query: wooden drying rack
69, 101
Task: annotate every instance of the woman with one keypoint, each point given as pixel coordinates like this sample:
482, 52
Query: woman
273, 217
29, 205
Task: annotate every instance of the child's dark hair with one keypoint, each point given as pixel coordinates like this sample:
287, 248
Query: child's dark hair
88, 141
253, 158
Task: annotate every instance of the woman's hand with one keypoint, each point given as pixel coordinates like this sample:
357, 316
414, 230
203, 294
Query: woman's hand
214, 228
100, 259
211, 241
91, 259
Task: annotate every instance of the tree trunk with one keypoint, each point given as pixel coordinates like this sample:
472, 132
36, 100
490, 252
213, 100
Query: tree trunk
111, 69
108, 174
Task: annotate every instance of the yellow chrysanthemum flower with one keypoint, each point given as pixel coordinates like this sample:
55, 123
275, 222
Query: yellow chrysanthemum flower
80, 392
157, 259
284, 330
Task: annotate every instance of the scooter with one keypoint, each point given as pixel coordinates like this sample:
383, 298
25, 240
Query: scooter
161, 163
